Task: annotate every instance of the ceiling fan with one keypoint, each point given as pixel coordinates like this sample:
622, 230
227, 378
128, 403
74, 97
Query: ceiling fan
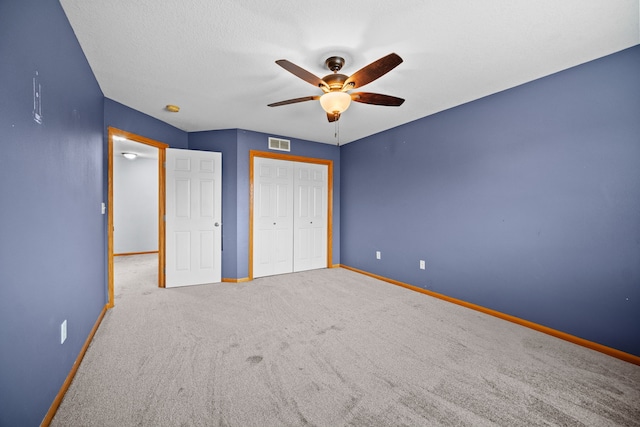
336, 98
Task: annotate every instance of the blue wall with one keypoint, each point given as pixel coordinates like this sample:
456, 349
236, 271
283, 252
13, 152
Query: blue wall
51, 241
235, 146
526, 202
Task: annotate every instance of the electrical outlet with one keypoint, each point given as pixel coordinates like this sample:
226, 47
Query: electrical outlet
378, 255
422, 264
63, 331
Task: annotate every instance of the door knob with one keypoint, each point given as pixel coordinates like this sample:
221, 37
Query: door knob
216, 224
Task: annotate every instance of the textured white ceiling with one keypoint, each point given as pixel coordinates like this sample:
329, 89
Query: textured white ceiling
215, 59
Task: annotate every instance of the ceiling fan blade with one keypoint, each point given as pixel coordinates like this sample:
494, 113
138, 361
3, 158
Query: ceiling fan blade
372, 71
376, 99
333, 117
294, 100
303, 74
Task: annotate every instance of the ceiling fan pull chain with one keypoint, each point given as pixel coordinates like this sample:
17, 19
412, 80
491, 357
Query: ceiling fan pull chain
337, 131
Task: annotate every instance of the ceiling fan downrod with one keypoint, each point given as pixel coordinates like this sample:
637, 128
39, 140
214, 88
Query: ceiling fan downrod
334, 63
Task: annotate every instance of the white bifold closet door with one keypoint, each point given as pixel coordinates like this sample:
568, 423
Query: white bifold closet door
290, 216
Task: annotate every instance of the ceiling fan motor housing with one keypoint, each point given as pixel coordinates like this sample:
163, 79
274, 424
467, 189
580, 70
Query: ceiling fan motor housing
335, 81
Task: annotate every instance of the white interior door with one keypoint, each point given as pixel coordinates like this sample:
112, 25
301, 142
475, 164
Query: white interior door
272, 217
310, 216
193, 217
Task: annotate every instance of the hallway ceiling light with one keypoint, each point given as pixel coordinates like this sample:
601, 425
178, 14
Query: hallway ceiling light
130, 156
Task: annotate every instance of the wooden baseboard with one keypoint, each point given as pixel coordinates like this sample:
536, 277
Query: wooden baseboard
67, 382
240, 280
136, 253
627, 357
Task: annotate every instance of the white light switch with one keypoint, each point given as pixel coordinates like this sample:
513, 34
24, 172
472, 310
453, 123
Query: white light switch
63, 331
104, 208
378, 255
422, 264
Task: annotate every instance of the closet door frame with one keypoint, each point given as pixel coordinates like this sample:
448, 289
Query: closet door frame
277, 156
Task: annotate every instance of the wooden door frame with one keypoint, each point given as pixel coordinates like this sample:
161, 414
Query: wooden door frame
278, 156
161, 146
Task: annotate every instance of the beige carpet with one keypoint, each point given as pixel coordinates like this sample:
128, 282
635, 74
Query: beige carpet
330, 348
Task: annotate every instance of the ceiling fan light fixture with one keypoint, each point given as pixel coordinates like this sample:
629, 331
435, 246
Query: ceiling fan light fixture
335, 102
335, 99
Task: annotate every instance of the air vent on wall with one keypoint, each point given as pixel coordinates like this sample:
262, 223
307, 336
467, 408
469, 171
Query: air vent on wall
279, 144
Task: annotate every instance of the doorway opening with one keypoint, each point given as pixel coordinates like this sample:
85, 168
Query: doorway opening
117, 140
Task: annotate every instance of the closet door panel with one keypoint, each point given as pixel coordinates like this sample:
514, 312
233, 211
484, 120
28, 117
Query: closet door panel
310, 216
273, 217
